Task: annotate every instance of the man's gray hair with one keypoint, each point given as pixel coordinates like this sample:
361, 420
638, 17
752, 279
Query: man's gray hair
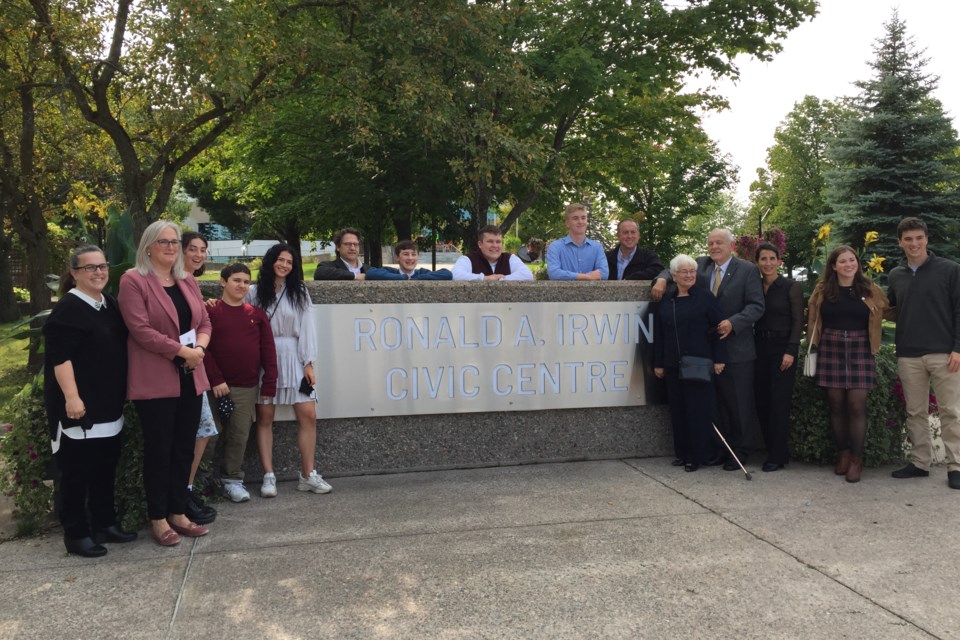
729, 233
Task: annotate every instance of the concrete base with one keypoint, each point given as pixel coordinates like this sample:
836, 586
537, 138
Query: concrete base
384, 445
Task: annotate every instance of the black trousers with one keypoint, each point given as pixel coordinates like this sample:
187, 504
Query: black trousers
87, 470
736, 411
169, 433
773, 390
691, 411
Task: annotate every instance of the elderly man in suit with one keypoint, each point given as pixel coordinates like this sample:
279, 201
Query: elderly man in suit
627, 260
737, 285
347, 265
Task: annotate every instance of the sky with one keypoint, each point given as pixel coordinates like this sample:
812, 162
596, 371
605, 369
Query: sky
824, 57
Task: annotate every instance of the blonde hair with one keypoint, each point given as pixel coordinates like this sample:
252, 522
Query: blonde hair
151, 234
573, 206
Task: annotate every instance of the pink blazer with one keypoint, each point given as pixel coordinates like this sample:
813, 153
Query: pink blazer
154, 337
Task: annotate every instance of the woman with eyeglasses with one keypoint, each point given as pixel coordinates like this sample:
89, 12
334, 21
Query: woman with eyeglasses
85, 384
685, 325
169, 332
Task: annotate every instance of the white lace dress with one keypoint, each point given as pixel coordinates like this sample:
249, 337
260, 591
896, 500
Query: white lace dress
295, 336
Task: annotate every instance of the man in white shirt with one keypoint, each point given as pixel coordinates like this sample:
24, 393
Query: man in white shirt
347, 265
490, 261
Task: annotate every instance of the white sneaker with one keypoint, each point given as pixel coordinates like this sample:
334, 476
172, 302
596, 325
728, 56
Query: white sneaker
235, 491
314, 482
269, 487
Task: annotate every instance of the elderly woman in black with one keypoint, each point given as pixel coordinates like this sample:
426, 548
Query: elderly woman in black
85, 383
685, 324
777, 337
845, 323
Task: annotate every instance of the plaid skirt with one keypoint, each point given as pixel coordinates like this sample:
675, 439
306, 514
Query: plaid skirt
844, 360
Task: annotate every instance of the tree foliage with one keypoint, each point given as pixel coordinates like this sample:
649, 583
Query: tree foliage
898, 157
790, 193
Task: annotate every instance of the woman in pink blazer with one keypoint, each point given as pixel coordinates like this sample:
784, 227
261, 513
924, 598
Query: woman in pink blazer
169, 333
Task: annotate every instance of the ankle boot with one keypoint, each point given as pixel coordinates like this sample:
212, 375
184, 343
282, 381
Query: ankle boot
856, 465
843, 462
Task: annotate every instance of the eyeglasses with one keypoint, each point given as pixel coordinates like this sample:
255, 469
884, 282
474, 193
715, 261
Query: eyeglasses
687, 272
350, 244
168, 243
90, 268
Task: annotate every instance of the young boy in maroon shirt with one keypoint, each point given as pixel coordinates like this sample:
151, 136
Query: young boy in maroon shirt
240, 348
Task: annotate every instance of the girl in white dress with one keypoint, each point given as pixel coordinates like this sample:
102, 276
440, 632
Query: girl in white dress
280, 292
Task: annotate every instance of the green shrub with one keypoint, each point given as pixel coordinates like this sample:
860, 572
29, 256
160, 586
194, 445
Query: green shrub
811, 438
23, 295
25, 448
27, 463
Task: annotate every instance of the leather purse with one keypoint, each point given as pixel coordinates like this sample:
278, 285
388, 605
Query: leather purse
692, 368
810, 362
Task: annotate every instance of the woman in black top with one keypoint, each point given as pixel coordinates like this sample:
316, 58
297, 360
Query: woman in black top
844, 320
85, 383
685, 324
777, 337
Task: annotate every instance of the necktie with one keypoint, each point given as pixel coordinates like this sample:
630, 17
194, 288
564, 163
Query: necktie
716, 280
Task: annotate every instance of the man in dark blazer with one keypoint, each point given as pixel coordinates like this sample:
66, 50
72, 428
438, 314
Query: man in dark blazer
628, 261
347, 265
738, 287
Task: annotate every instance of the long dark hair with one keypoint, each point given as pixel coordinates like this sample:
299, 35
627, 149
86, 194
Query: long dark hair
831, 284
188, 237
267, 280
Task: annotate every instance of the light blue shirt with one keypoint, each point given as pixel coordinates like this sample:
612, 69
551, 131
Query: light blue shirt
623, 262
566, 259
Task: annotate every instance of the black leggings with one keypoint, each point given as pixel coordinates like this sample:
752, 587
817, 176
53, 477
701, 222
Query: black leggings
87, 471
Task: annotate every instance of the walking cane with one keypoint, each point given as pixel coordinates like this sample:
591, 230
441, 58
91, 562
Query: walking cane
724, 440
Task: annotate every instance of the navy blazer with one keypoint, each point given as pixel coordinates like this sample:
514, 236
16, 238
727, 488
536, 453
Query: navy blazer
644, 265
335, 269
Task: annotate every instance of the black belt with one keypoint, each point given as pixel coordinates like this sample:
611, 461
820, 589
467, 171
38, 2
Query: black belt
759, 333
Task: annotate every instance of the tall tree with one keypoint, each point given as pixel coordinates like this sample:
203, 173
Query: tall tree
165, 78
790, 193
898, 157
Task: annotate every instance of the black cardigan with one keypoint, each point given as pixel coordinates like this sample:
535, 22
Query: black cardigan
95, 343
695, 328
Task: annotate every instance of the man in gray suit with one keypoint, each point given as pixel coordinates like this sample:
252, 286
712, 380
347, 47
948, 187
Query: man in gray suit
738, 287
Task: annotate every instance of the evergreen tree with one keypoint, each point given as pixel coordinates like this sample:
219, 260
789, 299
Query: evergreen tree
897, 157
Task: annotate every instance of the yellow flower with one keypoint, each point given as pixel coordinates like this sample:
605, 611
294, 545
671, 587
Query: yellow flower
824, 232
875, 263
870, 237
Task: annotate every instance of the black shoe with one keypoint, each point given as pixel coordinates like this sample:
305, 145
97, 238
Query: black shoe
731, 465
771, 466
693, 466
113, 533
715, 461
677, 463
953, 479
197, 512
85, 547
910, 471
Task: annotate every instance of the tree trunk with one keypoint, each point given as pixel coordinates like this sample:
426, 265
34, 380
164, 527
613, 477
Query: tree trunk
8, 299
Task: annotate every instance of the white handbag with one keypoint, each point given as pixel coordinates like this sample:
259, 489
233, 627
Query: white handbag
810, 362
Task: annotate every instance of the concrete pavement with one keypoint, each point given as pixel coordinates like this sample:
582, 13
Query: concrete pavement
608, 549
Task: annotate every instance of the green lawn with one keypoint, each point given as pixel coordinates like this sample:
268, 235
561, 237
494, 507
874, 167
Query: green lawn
13, 367
214, 274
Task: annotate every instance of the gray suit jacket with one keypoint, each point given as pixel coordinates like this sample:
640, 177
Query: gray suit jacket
741, 302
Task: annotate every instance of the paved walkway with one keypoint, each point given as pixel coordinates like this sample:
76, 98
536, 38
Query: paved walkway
611, 549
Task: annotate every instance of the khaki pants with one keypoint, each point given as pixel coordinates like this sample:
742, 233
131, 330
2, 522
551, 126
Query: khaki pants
235, 433
917, 375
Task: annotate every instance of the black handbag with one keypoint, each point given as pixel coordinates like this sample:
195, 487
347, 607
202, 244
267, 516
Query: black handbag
692, 368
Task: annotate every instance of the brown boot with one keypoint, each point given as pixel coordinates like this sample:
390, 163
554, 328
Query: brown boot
856, 465
843, 462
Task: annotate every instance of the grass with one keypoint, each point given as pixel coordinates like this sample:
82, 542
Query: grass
13, 367
214, 274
